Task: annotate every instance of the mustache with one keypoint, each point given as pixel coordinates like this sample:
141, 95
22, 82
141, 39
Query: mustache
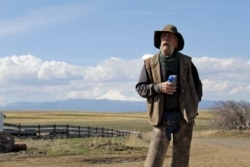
166, 43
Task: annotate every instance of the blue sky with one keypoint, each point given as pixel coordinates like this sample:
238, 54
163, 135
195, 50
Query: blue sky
53, 50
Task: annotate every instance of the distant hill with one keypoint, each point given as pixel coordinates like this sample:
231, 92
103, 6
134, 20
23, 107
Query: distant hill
89, 105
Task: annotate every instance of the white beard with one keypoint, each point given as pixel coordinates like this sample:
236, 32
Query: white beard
169, 52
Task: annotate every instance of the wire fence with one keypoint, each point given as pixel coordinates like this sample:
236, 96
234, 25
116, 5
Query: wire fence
65, 131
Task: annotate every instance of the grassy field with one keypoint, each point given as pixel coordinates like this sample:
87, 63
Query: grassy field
210, 148
126, 121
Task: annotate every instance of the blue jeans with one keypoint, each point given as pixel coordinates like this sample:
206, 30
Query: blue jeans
171, 121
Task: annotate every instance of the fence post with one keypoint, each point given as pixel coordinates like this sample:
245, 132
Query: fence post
67, 130
19, 130
54, 131
39, 130
103, 132
107, 132
79, 131
112, 132
89, 133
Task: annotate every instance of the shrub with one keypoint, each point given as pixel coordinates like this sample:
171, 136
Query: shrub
232, 115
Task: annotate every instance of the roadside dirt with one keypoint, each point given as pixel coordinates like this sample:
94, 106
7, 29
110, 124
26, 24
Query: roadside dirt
205, 152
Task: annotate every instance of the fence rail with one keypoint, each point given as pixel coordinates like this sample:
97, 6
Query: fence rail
52, 131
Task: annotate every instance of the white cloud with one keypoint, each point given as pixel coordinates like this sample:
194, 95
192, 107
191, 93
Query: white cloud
59, 70
145, 56
221, 68
224, 78
12, 68
28, 78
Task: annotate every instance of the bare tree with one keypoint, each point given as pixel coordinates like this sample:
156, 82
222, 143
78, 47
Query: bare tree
232, 115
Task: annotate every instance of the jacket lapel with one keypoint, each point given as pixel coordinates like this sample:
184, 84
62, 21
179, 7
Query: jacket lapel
156, 69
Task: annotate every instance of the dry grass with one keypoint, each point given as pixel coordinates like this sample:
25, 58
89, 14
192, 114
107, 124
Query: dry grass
209, 147
127, 121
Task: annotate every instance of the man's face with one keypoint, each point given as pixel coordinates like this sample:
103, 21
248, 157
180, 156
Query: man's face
169, 42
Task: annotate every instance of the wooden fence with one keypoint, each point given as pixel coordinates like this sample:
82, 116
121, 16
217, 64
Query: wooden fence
69, 131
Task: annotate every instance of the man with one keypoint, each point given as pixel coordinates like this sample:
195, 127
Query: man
172, 107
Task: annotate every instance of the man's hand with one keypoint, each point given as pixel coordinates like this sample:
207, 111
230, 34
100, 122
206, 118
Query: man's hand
168, 88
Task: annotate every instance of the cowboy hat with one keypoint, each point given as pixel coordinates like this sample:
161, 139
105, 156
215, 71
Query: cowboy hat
172, 29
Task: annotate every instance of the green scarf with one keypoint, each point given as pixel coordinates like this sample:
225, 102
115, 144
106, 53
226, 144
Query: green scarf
170, 62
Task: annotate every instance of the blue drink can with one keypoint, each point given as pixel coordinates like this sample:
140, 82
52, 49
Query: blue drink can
172, 79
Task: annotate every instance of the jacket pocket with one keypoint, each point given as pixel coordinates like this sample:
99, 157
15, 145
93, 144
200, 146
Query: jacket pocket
154, 109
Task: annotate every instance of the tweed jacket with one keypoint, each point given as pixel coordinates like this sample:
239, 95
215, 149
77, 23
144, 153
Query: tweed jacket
188, 96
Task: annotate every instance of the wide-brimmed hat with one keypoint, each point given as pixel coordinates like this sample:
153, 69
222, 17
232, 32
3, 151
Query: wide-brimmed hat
172, 29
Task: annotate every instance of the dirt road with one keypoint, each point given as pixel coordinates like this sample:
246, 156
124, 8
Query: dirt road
206, 152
